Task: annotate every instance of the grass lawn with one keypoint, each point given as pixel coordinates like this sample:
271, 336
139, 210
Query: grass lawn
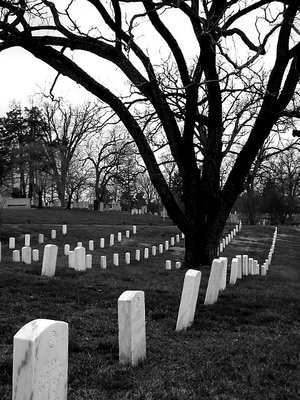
246, 346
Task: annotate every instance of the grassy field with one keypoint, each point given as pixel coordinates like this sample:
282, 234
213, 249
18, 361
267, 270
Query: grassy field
246, 346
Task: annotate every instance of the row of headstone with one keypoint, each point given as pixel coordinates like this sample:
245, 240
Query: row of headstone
240, 266
228, 238
40, 350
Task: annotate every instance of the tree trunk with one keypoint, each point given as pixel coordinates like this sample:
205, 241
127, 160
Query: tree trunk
40, 198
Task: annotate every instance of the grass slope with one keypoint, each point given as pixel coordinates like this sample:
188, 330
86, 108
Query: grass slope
246, 346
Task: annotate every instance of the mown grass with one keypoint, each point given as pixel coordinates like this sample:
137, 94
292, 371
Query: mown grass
246, 346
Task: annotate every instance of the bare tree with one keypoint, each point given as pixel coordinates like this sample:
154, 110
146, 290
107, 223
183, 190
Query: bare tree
203, 82
68, 127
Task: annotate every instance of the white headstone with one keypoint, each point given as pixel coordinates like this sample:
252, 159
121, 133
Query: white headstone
80, 258
41, 238
214, 281
138, 255
177, 238
64, 229
263, 270
116, 259
66, 249
102, 243
26, 254
88, 261
40, 361
27, 239
255, 267
111, 239
127, 234
245, 265
49, 260
71, 256
79, 244
16, 255
178, 264
166, 245
146, 252
134, 229
53, 234
160, 248
172, 241
12, 243
154, 250
168, 264
240, 270
103, 264
224, 243
233, 271
127, 258
132, 330
221, 247
224, 276
189, 297
119, 236
35, 255
250, 266
91, 245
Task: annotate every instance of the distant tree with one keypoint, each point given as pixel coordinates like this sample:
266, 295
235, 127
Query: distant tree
68, 127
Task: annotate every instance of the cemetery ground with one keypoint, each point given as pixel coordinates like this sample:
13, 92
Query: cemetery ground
245, 346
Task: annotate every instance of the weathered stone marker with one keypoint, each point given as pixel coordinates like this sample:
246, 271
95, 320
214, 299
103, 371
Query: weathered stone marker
224, 275
71, 259
160, 248
103, 264
233, 271
214, 281
168, 264
132, 331
189, 297
127, 258
12, 243
66, 249
134, 229
250, 266
27, 239
91, 245
49, 260
138, 255
16, 255
154, 250
102, 243
245, 265
53, 234
239, 272
88, 261
111, 239
41, 238
26, 254
64, 229
80, 258
177, 265
35, 255
146, 252
40, 361
116, 259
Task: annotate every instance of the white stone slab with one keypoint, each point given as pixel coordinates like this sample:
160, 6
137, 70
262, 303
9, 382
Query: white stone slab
41, 238
102, 243
132, 330
16, 255
79, 244
255, 267
35, 255
66, 249
240, 270
160, 248
127, 258
168, 264
91, 245
53, 234
177, 237
214, 281
49, 260
26, 254
80, 258
40, 361
119, 236
103, 263
166, 245
116, 259
250, 266
233, 271
224, 275
263, 270
153, 250
64, 229
138, 255
177, 265
146, 252
27, 239
245, 265
172, 241
111, 239
12, 243
221, 247
71, 259
127, 234
189, 297
88, 261
134, 229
